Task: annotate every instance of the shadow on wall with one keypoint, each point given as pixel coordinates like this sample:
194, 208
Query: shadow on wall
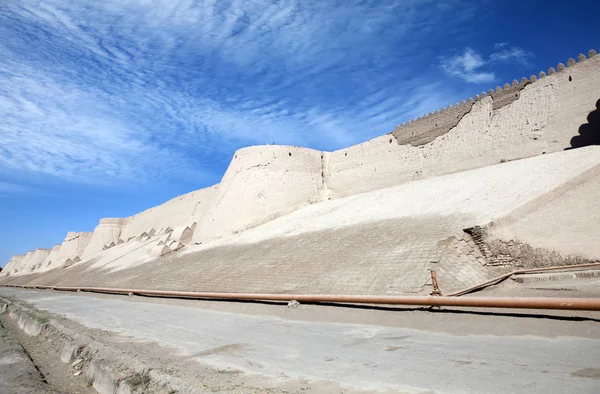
589, 133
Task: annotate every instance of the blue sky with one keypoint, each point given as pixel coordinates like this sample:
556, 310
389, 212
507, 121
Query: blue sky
111, 107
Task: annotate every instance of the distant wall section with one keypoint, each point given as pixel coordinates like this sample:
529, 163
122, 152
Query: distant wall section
52, 261
31, 261
24, 263
13, 263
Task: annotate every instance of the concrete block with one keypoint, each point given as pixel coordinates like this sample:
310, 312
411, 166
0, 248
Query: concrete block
103, 379
29, 325
69, 353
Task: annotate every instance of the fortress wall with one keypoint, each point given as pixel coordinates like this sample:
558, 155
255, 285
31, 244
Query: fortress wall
32, 260
179, 211
577, 92
83, 242
107, 231
261, 183
52, 260
527, 118
382, 242
38, 259
73, 245
544, 116
12, 264
22, 265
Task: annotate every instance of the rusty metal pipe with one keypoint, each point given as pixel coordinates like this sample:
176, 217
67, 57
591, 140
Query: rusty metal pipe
582, 304
518, 272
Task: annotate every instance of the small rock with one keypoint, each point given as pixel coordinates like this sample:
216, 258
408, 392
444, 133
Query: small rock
77, 373
77, 362
293, 304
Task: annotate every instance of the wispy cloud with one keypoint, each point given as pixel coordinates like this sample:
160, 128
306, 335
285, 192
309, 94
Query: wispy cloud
471, 66
467, 66
512, 54
122, 91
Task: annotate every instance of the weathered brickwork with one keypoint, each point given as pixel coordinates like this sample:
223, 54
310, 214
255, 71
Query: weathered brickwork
516, 254
427, 128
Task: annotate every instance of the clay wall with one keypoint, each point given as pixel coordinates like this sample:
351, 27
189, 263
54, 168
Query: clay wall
428, 127
534, 117
38, 259
179, 211
261, 183
32, 260
107, 231
12, 264
52, 261
72, 246
25, 262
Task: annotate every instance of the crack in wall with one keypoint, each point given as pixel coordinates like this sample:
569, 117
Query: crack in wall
325, 193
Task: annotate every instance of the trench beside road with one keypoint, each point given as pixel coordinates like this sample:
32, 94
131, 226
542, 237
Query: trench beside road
18, 374
535, 354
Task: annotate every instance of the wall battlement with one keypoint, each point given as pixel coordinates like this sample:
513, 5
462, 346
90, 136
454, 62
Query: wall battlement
427, 127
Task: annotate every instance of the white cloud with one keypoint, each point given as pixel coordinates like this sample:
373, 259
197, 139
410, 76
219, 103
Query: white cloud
128, 91
466, 66
512, 54
470, 65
